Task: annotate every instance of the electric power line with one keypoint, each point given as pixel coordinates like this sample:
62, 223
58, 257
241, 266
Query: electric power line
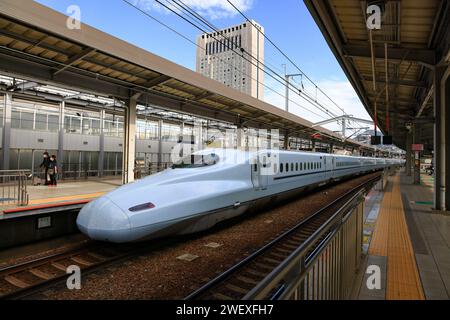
195, 44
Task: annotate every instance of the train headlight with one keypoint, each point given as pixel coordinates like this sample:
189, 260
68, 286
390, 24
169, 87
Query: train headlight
141, 207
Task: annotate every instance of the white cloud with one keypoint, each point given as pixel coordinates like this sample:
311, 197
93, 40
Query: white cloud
211, 9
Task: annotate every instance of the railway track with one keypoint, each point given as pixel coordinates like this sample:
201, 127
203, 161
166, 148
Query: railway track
21, 280
25, 279
236, 282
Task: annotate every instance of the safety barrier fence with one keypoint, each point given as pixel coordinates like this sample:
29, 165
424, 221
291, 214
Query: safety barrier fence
324, 266
13, 187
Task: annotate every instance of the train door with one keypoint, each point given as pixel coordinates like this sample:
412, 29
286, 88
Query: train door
263, 174
258, 172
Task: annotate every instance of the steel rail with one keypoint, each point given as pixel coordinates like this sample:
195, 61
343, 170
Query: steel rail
313, 238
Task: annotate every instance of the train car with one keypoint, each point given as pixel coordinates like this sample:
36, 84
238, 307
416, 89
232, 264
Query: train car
210, 186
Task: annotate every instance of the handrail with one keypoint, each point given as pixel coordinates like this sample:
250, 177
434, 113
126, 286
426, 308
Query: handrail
13, 186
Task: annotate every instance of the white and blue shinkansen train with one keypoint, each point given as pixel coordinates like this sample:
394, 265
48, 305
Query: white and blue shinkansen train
212, 186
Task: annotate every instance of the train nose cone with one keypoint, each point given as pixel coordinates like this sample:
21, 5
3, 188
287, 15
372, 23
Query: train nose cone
103, 220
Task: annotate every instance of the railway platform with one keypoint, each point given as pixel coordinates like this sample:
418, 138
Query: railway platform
51, 211
65, 191
409, 242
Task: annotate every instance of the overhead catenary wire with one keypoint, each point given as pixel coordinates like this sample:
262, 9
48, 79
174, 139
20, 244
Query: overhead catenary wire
314, 101
219, 33
225, 43
286, 56
195, 44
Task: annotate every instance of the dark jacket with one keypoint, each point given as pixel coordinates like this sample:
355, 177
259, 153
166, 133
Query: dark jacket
52, 164
45, 163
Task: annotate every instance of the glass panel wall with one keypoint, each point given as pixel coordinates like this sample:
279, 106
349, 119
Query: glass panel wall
29, 116
170, 132
146, 129
113, 125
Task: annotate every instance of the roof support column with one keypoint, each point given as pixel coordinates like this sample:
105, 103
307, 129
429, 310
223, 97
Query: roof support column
238, 137
62, 107
101, 154
416, 155
160, 146
440, 135
408, 154
445, 101
286, 141
129, 146
6, 130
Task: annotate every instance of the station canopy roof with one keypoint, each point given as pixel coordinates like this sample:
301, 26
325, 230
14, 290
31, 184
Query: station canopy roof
36, 45
417, 36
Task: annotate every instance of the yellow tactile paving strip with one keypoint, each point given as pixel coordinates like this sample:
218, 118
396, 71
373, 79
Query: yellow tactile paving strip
66, 198
391, 239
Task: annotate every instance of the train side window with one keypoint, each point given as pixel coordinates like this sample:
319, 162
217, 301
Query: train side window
255, 167
292, 166
281, 167
287, 167
296, 166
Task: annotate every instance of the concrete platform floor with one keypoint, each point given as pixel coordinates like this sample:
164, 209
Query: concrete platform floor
69, 191
428, 232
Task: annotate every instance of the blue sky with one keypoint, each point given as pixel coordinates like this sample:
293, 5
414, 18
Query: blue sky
286, 22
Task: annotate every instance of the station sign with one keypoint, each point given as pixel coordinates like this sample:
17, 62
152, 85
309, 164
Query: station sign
417, 147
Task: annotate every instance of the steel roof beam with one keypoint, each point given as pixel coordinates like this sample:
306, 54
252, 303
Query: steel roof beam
422, 56
74, 58
154, 82
408, 83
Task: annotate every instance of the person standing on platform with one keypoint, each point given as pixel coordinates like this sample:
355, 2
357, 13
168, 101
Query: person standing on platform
44, 165
53, 170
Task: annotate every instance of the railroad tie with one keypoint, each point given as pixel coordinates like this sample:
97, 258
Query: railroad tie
247, 280
16, 282
237, 289
81, 261
40, 274
59, 266
97, 256
272, 261
220, 296
256, 273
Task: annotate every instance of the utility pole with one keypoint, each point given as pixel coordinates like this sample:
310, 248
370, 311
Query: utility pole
287, 77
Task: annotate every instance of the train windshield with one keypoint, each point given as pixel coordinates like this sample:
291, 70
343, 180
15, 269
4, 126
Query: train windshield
196, 161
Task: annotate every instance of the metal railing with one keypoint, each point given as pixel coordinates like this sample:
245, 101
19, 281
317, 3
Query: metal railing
324, 266
13, 185
76, 171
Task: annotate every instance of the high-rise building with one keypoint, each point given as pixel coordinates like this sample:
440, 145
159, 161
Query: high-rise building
235, 57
